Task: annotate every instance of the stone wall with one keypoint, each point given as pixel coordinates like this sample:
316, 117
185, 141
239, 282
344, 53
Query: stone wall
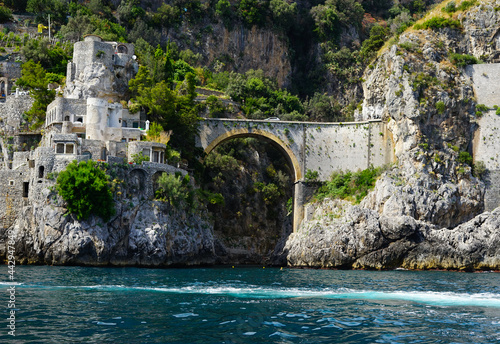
486, 145
11, 112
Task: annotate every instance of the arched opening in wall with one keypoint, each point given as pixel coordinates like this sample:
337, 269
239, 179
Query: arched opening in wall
103, 154
122, 49
137, 183
79, 119
66, 118
41, 169
255, 176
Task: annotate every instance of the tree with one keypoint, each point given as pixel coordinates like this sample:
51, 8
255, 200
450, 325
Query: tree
5, 14
283, 13
77, 27
84, 187
175, 190
34, 77
335, 14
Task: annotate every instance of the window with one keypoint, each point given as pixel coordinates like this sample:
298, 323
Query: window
60, 148
41, 169
66, 118
69, 149
155, 156
135, 125
26, 187
11, 183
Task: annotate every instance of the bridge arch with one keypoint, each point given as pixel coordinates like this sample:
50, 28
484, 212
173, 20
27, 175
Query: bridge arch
261, 134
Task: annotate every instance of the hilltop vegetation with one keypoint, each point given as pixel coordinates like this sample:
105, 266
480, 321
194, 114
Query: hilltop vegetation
329, 45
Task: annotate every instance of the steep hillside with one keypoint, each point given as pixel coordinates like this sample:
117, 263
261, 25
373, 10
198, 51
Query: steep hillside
427, 211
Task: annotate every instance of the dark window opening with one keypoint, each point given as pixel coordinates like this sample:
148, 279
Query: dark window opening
26, 186
40, 171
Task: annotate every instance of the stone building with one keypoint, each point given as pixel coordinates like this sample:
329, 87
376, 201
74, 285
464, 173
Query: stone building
89, 120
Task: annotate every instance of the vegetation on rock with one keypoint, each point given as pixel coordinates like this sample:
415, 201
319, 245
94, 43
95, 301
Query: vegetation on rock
84, 188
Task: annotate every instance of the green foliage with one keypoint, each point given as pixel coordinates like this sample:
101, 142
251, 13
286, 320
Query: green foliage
450, 7
176, 190
440, 107
334, 14
283, 13
436, 23
53, 58
252, 12
34, 78
462, 60
216, 107
479, 169
482, 107
464, 158
378, 36
270, 192
5, 14
42, 8
174, 109
311, 176
349, 185
221, 162
84, 187
224, 10
138, 158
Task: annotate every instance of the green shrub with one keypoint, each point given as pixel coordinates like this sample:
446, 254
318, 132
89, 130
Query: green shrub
84, 187
479, 169
311, 176
436, 23
465, 158
176, 190
348, 185
465, 5
450, 7
462, 60
5, 14
139, 158
482, 107
440, 107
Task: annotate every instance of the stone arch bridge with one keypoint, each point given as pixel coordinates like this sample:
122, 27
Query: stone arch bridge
315, 146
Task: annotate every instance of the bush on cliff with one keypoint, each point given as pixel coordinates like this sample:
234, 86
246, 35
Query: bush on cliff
349, 185
84, 187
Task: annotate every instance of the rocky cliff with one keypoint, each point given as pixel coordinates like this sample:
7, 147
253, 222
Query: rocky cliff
142, 233
239, 49
427, 211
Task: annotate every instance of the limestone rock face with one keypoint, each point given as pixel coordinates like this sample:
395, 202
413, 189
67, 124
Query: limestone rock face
148, 233
239, 49
426, 211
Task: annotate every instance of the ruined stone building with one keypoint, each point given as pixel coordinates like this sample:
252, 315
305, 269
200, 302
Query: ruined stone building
88, 120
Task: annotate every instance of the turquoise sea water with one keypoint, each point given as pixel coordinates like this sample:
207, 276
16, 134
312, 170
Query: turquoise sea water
249, 305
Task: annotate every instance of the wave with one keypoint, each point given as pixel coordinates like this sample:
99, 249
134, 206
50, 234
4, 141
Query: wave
256, 292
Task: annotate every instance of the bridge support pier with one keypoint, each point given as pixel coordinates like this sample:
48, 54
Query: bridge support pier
298, 205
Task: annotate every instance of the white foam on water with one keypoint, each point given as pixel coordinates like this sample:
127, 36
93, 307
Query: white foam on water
185, 315
249, 333
105, 323
274, 323
282, 335
256, 292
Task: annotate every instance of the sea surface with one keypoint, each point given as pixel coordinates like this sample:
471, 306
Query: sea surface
249, 305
